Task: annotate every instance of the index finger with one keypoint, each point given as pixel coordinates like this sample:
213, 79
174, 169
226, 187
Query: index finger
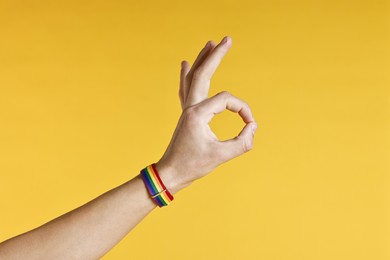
222, 101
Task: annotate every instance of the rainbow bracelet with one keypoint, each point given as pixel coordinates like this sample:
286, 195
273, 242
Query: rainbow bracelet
157, 190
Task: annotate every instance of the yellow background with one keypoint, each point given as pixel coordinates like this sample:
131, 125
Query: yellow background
88, 96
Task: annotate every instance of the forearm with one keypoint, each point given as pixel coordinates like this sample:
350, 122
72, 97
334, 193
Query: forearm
87, 232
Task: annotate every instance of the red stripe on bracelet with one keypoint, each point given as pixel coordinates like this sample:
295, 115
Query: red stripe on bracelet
162, 184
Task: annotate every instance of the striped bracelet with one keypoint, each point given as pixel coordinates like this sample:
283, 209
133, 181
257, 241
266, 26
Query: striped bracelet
157, 190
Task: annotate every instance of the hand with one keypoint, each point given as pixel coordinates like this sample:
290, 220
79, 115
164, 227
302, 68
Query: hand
194, 150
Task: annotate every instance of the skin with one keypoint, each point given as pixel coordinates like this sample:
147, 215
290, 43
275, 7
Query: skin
90, 231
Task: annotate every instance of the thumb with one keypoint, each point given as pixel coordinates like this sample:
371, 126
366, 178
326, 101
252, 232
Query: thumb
241, 144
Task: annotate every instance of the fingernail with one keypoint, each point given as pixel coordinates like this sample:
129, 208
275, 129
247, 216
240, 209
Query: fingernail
254, 128
227, 40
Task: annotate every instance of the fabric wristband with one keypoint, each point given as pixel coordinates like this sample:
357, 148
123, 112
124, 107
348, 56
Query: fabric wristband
156, 188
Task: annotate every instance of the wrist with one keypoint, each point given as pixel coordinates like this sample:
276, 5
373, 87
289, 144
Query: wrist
170, 177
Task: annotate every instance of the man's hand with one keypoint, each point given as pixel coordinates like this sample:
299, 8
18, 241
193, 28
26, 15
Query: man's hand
194, 150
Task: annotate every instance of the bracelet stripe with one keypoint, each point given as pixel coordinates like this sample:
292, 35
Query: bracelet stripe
156, 188
153, 169
166, 196
153, 186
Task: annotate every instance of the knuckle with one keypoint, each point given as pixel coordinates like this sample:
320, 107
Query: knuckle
225, 94
198, 74
247, 145
246, 107
191, 113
